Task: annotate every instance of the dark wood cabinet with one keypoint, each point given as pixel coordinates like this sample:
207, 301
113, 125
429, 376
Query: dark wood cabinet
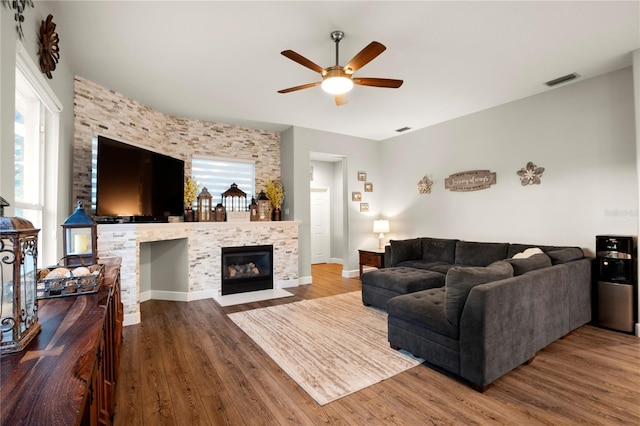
371, 258
67, 374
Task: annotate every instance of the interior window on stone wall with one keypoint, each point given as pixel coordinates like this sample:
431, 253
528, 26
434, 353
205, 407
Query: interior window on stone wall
217, 175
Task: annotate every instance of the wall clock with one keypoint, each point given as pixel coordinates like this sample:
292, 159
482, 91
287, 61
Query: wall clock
48, 46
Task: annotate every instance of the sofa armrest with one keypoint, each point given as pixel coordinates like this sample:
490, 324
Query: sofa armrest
387, 255
496, 329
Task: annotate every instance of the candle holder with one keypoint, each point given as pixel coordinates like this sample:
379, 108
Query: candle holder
18, 265
80, 238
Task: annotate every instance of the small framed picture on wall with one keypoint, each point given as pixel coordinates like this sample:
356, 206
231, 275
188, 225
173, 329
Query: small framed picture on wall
368, 187
362, 176
364, 207
356, 196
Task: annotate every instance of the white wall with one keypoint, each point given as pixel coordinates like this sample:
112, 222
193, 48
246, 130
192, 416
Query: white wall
583, 134
62, 86
360, 155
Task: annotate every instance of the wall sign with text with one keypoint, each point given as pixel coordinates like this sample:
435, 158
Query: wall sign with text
473, 180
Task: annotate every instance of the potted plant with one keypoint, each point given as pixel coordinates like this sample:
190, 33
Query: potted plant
191, 188
275, 194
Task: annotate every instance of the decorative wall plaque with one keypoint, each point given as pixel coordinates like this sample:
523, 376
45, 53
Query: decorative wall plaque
473, 180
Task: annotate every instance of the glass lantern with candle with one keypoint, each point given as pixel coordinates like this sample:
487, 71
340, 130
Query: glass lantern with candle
205, 206
80, 238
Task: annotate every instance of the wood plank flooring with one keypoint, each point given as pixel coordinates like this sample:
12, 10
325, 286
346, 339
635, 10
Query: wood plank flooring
188, 364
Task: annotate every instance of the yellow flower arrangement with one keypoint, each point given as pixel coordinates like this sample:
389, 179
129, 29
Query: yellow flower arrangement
191, 188
275, 193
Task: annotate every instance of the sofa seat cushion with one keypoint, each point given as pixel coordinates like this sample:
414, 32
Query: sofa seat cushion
403, 280
443, 269
425, 309
460, 280
480, 254
421, 264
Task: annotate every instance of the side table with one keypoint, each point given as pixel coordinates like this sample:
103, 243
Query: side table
371, 257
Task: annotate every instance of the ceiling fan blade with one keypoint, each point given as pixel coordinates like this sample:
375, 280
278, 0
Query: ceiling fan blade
341, 99
378, 82
296, 57
302, 86
365, 56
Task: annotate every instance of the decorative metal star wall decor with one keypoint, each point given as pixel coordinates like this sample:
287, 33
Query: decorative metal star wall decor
530, 174
424, 185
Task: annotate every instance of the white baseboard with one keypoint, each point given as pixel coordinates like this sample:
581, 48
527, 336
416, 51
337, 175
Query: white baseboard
356, 273
638, 329
145, 295
131, 319
287, 283
335, 260
305, 280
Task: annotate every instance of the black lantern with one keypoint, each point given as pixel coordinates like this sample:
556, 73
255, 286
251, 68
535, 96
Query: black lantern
18, 304
205, 206
80, 239
253, 210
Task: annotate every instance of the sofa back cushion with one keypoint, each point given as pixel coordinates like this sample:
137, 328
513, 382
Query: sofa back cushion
524, 265
480, 254
402, 250
438, 250
565, 255
518, 247
461, 279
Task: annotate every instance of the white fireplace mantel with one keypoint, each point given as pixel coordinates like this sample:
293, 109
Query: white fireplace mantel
203, 242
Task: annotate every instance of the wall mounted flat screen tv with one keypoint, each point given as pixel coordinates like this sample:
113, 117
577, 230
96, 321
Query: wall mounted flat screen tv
137, 183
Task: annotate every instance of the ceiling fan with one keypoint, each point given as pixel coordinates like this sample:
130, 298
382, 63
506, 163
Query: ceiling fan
339, 80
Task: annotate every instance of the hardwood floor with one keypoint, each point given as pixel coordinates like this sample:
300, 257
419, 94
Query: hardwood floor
188, 364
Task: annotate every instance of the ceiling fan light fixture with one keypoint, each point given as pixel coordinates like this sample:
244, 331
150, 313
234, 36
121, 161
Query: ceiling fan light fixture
337, 85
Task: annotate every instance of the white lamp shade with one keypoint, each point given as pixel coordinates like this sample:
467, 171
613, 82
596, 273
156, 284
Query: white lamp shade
380, 226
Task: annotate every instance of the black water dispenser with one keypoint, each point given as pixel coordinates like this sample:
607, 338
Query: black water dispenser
616, 289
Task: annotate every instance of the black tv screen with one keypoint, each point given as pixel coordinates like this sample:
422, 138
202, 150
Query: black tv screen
137, 182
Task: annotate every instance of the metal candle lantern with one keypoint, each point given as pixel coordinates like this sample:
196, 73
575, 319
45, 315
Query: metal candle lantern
205, 206
18, 304
253, 210
264, 207
80, 238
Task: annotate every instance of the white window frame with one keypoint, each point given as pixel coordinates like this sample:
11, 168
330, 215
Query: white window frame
48, 202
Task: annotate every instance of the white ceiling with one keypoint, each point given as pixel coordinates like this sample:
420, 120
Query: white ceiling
220, 61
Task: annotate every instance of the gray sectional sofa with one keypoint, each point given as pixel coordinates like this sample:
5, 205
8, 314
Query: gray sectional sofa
473, 309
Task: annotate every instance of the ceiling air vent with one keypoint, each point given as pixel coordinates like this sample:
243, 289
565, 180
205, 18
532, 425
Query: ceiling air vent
562, 79
403, 129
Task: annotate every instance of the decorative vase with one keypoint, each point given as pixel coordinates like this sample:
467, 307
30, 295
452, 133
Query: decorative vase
277, 214
188, 215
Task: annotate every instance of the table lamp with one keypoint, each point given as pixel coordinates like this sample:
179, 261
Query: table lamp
380, 226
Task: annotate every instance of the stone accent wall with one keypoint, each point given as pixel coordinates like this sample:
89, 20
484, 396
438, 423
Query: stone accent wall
204, 241
100, 111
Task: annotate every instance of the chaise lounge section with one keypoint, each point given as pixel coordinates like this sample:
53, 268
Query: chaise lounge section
473, 309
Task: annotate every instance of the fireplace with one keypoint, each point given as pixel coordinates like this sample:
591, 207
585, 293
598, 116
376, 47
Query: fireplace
247, 268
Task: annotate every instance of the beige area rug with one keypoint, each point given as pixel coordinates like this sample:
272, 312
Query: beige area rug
331, 347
